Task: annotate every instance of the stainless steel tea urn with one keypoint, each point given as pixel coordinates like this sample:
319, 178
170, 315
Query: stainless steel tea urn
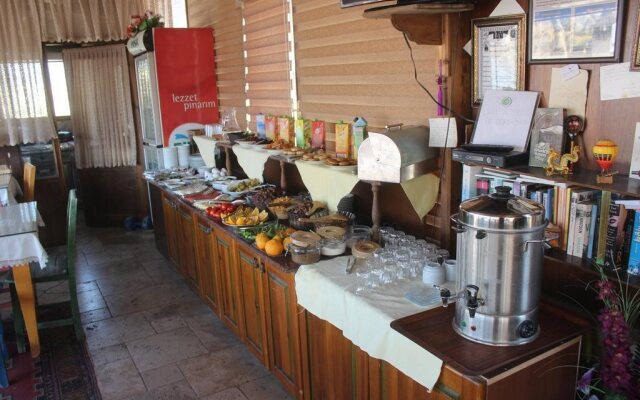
500, 255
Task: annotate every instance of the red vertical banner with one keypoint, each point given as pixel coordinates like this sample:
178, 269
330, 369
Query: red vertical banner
186, 74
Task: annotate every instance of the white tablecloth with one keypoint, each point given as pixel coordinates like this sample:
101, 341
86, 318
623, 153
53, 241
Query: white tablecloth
21, 249
252, 161
326, 184
326, 291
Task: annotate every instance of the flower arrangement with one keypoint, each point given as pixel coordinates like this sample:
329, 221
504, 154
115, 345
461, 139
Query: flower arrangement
617, 374
140, 23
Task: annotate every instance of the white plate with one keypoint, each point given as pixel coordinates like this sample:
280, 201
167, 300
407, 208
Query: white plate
204, 204
274, 152
259, 146
310, 161
245, 145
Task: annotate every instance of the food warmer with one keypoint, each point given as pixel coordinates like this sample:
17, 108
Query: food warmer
397, 155
500, 255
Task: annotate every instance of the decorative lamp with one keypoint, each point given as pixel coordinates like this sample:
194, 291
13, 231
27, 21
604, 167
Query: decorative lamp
605, 152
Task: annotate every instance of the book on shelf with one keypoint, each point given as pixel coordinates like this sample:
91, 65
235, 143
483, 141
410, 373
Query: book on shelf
615, 237
629, 204
634, 248
626, 241
593, 229
584, 212
578, 195
605, 202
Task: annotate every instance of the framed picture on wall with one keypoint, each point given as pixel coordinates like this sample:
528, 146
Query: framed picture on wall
498, 54
635, 59
569, 31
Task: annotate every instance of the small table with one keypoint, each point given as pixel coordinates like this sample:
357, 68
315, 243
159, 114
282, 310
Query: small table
19, 246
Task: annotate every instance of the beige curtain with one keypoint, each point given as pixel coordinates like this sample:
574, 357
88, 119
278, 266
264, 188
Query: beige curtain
82, 21
101, 110
24, 114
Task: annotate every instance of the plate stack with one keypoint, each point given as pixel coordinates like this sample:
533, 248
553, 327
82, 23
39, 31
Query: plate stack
170, 157
196, 161
183, 155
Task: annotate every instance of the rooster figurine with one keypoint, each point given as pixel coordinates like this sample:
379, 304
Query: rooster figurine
560, 164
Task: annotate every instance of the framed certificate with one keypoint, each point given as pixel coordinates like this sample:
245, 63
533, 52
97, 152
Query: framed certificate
635, 60
498, 54
570, 31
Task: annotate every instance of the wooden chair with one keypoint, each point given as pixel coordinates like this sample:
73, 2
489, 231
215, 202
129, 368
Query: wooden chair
29, 182
61, 268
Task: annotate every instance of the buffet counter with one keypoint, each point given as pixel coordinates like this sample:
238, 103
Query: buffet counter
328, 292
350, 351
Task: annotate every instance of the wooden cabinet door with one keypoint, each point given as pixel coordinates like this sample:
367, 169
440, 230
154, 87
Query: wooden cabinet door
388, 383
282, 328
206, 262
186, 243
170, 227
331, 365
251, 286
231, 306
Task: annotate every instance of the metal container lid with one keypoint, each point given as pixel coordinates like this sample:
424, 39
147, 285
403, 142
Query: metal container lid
502, 211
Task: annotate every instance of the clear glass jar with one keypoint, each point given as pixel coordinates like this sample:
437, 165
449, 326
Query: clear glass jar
333, 247
304, 255
357, 233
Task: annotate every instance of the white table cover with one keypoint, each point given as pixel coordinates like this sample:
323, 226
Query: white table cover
326, 291
252, 161
21, 249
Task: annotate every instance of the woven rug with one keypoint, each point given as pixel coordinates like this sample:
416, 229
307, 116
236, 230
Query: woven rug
63, 370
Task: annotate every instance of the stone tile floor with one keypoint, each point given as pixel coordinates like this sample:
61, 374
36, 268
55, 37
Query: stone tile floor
149, 335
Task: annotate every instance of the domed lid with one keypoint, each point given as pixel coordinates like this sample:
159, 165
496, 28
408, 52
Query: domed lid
502, 211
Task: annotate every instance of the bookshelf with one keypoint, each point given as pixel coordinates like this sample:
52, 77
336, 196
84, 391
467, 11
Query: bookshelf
558, 264
585, 178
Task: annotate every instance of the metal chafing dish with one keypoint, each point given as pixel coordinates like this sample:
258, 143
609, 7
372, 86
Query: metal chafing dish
396, 155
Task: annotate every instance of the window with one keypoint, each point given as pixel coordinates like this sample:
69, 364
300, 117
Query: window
21, 91
178, 14
58, 84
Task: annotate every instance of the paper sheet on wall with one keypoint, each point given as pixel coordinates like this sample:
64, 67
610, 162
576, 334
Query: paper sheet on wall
570, 94
634, 171
507, 7
617, 82
443, 132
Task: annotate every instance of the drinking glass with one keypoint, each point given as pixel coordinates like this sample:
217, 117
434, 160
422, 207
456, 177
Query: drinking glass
388, 273
362, 275
416, 252
402, 260
385, 231
415, 268
443, 255
385, 256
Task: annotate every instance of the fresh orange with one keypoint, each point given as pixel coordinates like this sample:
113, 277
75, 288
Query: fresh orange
289, 231
261, 240
274, 247
286, 242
